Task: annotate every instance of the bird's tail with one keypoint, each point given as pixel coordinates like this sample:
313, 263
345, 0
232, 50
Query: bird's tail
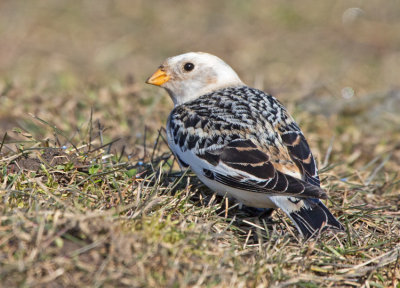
309, 215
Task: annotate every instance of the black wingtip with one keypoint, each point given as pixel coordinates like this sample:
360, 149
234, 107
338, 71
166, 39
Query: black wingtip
316, 217
323, 195
308, 190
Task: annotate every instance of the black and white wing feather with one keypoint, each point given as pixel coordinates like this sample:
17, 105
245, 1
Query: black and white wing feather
242, 165
300, 152
229, 136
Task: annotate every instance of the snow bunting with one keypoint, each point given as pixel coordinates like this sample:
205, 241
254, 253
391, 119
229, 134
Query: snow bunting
240, 141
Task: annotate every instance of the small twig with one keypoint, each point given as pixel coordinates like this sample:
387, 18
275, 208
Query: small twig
90, 128
328, 152
122, 153
105, 145
57, 140
2, 141
254, 225
100, 132
144, 142
247, 239
377, 169
155, 145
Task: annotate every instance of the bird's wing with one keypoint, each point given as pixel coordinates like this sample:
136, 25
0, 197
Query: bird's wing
299, 151
242, 165
213, 141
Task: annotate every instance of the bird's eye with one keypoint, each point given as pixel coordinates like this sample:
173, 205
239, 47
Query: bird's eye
188, 66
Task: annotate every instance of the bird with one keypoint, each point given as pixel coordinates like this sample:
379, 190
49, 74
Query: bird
241, 142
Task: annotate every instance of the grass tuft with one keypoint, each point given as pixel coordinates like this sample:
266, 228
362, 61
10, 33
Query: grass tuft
79, 213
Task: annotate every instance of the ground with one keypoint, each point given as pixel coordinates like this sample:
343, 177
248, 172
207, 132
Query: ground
90, 194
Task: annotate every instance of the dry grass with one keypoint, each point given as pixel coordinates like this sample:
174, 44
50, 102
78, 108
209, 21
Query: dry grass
90, 195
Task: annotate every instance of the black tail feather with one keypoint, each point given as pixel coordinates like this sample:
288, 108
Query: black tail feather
312, 217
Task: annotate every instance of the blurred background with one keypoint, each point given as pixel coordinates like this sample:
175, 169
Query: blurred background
328, 59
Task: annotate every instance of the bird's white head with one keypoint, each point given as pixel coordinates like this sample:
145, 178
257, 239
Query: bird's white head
191, 75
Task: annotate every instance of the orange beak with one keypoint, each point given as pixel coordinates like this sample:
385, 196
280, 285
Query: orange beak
158, 78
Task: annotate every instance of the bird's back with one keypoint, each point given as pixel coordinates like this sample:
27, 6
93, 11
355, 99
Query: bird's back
216, 119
